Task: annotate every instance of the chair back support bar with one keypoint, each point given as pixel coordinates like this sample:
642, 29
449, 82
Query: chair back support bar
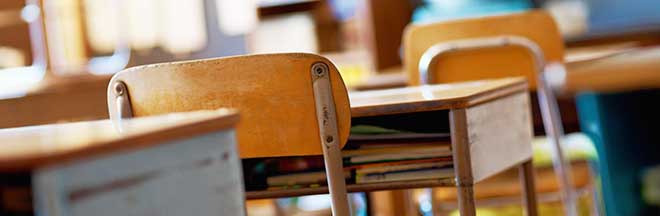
273, 92
429, 60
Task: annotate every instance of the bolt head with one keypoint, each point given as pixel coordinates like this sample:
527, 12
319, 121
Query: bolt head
119, 88
329, 139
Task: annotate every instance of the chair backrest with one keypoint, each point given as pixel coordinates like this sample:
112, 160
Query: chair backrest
274, 93
494, 62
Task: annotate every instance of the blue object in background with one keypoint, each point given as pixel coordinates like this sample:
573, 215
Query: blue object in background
343, 9
437, 10
625, 130
610, 16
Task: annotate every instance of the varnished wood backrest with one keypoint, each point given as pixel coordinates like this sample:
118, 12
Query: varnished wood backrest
274, 94
536, 26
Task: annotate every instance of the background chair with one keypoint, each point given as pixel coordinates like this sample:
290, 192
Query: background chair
22, 35
520, 44
290, 104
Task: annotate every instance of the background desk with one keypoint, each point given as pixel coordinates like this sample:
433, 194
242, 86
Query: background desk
617, 100
175, 164
489, 122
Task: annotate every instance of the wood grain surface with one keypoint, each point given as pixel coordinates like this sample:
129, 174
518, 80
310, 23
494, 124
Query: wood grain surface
432, 97
273, 92
627, 71
28, 148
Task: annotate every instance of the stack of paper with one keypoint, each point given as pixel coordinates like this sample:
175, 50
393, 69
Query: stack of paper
384, 155
372, 155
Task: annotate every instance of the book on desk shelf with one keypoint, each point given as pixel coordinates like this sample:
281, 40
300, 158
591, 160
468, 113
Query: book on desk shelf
406, 175
372, 155
375, 154
305, 178
416, 165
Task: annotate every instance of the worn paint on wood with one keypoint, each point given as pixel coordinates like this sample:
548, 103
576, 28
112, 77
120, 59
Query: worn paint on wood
198, 176
28, 148
499, 134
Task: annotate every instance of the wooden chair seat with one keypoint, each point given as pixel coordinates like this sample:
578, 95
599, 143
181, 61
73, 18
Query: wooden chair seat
634, 69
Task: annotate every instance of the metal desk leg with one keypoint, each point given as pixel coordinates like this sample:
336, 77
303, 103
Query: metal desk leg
526, 173
462, 162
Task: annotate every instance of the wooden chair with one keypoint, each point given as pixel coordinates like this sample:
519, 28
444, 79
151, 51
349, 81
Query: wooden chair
25, 36
291, 104
521, 44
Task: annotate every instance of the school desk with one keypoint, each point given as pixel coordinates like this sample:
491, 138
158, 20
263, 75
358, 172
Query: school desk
490, 126
616, 99
177, 164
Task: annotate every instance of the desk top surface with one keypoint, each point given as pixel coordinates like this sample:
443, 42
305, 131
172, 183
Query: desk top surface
631, 70
432, 97
30, 147
601, 69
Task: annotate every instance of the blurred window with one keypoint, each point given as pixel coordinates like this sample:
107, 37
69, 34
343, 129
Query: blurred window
285, 33
237, 17
176, 26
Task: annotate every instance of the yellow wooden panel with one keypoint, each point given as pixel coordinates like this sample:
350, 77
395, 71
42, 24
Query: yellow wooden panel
537, 26
273, 93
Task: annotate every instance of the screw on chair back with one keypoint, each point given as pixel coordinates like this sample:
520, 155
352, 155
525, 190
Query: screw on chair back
290, 104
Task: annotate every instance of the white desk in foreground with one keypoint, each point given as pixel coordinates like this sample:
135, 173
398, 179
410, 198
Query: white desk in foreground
177, 164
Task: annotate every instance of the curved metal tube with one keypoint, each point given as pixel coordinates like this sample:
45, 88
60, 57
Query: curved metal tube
428, 61
547, 100
20, 79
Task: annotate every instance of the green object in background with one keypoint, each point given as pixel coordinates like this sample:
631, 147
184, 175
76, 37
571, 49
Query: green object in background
544, 209
651, 185
370, 129
576, 146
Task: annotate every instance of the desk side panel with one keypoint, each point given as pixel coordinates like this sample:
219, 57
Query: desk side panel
500, 134
198, 176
